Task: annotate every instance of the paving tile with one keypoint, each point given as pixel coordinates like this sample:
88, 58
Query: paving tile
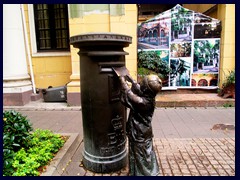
74, 169
89, 173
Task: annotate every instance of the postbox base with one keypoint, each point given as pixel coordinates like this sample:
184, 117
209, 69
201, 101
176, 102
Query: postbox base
105, 164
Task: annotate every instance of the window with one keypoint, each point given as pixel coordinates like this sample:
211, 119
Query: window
51, 26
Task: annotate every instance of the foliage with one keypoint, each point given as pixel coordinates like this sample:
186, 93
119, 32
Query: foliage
144, 71
43, 145
152, 61
24, 152
16, 135
25, 164
228, 86
226, 105
16, 128
230, 79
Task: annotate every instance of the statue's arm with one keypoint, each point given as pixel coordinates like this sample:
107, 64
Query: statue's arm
123, 84
129, 93
135, 86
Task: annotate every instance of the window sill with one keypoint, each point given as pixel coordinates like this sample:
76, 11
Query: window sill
47, 54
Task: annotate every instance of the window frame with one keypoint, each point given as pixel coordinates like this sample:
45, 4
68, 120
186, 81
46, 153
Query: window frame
35, 52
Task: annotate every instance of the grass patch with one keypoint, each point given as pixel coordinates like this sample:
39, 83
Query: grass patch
226, 105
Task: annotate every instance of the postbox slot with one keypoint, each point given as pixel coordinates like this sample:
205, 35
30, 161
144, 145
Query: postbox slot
111, 64
106, 67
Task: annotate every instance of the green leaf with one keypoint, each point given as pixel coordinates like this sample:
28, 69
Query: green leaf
14, 144
12, 138
5, 136
16, 125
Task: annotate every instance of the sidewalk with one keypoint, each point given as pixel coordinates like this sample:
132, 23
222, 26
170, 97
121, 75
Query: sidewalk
162, 100
188, 141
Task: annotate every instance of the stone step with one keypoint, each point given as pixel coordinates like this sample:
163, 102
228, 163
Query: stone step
193, 100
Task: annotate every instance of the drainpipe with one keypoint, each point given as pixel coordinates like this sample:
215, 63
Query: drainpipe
27, 47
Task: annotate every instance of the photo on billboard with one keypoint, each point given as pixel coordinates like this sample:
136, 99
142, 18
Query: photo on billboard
181, 71
206, 27
182, 49
188, 43
154, 33
154, 62
204, 80
206, 56
181, 24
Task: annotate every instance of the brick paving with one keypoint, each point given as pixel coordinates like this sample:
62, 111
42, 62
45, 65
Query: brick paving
196, 156
184, 141
179, 157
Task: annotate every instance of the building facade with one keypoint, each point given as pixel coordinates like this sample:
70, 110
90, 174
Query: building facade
37, 54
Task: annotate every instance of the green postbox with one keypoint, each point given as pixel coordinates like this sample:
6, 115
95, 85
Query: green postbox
103, 115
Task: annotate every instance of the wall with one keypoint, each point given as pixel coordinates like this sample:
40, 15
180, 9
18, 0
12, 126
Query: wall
199, 7
119, 18
54, 71
48, 68
226, 13
86, 18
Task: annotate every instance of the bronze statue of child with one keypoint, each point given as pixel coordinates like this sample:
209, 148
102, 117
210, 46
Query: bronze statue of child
140, 99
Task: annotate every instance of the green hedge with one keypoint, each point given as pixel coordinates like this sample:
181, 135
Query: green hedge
24, 151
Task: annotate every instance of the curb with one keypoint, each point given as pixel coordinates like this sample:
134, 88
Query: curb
32, 108
64, 155
195, 103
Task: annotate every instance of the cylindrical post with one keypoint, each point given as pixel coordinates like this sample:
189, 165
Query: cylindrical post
104, 117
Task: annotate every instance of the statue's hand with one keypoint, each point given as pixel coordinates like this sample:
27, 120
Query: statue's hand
129, 78
122, 78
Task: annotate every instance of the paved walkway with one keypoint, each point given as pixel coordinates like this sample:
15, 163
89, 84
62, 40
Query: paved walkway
162, 100
188, 141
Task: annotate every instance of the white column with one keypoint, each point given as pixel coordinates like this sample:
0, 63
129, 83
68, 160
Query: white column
15, 73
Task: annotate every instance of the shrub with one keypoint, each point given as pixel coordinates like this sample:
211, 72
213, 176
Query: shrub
228, 86
24, 152
16, 129
144, 71
16, 134
230, 79
43, 145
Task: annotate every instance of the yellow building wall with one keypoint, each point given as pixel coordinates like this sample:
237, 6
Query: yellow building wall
226, 13
48, 70
103, 21
51, 71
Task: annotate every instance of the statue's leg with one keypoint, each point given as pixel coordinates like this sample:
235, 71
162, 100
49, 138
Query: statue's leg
145, 159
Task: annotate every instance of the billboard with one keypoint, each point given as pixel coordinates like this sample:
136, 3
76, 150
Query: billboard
187, 41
